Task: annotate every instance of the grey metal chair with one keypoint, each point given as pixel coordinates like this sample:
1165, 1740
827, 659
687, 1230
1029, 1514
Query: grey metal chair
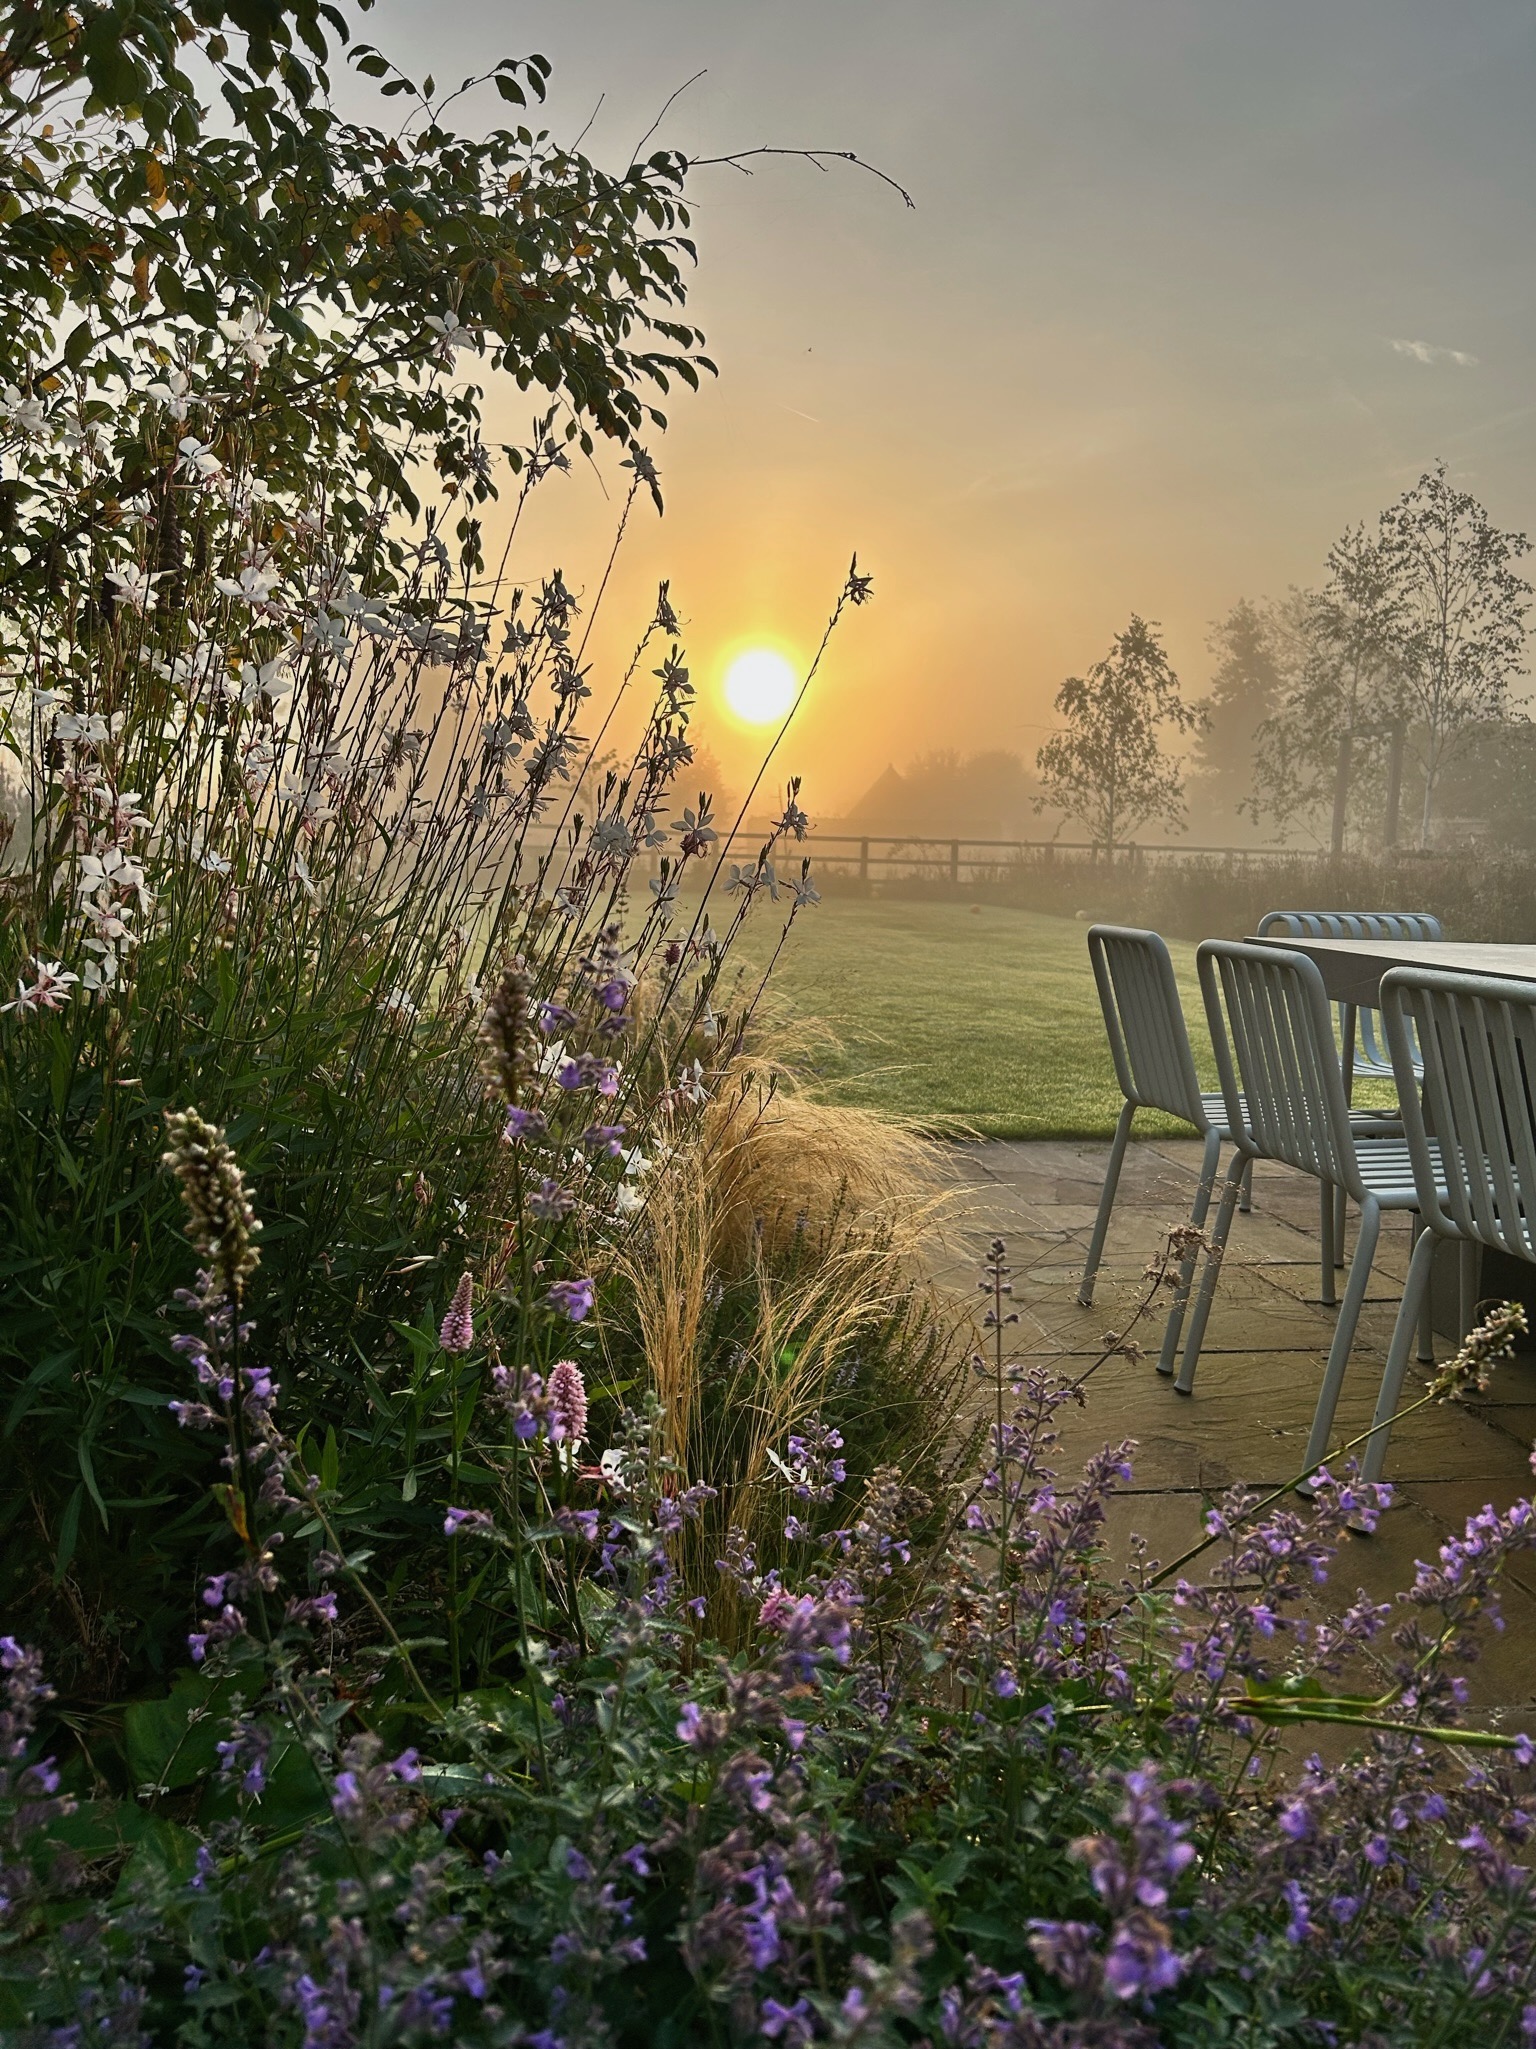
1155, 1067
1365, 1059
1471, 1138
1283, 1087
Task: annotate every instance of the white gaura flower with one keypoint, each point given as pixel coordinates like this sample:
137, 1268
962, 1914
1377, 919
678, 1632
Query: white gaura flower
135, 586
635, 1162
254, 587
452, 333
305, 879
628, 1199
174, 392
198, 459
112, 869
269, 680
50, 991
399, 1004
552, 1058
89, 728
100, 974
250, 337
21, 410
611, 1465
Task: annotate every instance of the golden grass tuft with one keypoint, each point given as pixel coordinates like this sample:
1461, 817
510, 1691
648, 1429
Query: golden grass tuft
815, 1221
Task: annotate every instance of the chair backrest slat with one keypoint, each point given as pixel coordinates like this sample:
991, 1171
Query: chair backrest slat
1350, 925
1144, 1018
1279, 1067
1477, 1040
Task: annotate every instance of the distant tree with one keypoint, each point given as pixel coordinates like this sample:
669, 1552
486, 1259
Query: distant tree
1459, 608
1246, 688
1340, 653
1107, 766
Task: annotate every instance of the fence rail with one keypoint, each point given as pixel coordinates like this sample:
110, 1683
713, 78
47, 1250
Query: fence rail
935, 855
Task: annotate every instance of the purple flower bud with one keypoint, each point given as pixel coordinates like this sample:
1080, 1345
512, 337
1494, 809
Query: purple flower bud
457, 1331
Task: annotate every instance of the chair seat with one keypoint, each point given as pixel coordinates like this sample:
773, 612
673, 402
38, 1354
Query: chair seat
1363, 1123
1387, 1171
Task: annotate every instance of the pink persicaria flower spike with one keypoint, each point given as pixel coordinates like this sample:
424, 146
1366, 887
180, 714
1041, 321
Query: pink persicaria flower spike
457, 1331
567, 1394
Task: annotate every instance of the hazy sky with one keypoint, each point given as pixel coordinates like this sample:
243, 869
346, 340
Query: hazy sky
1190, 285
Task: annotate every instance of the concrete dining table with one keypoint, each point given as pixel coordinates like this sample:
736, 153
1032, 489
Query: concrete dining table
1352, 968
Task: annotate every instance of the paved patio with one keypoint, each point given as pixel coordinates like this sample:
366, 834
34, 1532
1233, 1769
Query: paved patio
1249, 1415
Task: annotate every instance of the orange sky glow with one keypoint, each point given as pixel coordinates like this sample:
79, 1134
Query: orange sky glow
1188, 288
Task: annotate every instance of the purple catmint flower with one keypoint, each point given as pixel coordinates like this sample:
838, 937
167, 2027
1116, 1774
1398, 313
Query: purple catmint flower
572, 1299
312, 1608
796, 2024
551, 1203
472, 1522
1299, 1924
523, 1124
699, 1728
567, 1401
1139, 1963
457, 1331
604, 1139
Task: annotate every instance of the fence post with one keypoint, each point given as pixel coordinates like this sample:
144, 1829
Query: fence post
954, 861
863, 860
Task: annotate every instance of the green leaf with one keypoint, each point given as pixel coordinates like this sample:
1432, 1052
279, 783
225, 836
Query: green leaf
173, 1742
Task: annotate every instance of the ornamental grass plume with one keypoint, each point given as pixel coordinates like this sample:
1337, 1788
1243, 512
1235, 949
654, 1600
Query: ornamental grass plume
456, 1333
506, 1033
221, 1223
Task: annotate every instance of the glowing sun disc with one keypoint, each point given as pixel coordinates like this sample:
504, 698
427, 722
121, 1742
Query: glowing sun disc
760, 686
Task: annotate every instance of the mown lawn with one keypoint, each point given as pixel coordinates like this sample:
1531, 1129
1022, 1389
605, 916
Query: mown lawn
985, 1019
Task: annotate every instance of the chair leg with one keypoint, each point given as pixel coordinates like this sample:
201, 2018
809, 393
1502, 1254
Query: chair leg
1344, 1329
1106, 1204
1415, 1293
1330, 1293
1197, 1217
1340, 1222
1426, 1353
1229, 1194
1245, 1200
1469, 1274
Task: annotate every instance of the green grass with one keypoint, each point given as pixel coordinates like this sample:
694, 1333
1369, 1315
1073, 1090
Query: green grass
986, 1019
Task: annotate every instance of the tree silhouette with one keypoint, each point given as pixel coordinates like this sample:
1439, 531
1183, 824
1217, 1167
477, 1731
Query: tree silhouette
1107, 766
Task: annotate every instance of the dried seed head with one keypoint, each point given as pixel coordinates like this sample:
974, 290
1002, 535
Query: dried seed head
506, 1033
220, 1220
1483, 1347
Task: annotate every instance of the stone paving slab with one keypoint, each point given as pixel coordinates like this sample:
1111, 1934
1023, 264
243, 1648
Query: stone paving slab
1250, 1413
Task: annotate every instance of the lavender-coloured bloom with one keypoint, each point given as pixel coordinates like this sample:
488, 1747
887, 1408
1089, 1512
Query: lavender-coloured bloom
606, 1140
1139, 1962
1299, 1924
572, 1299
522, 1124
473, 1522
795, 2024
551, 1203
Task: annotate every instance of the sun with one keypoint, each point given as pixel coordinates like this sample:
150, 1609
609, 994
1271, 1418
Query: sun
760, 686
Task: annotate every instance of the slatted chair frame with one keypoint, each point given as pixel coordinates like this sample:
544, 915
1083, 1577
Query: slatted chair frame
1155, 1067
1471, 1136
1283, 1087
1365, 1059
